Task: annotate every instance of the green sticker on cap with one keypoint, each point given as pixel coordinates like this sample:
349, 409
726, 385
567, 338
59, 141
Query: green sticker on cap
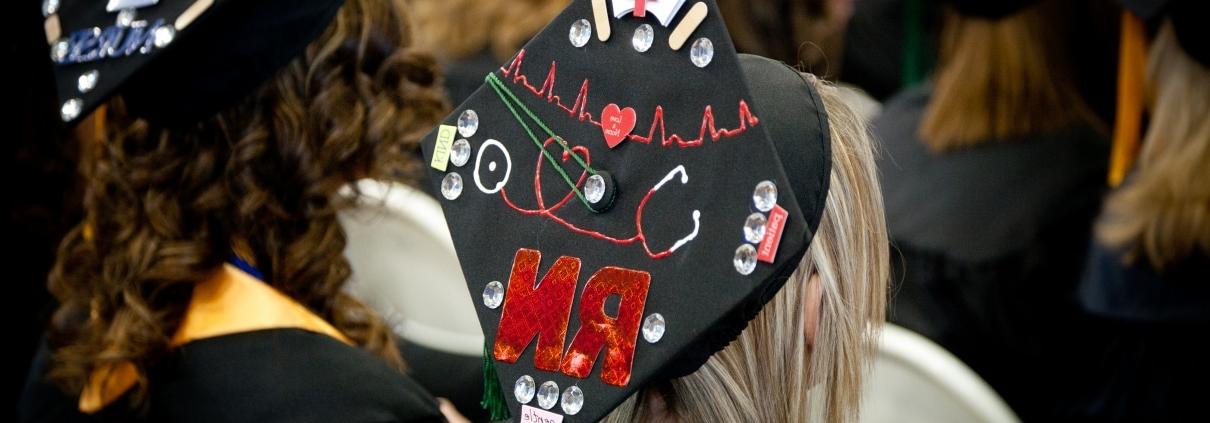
441, 151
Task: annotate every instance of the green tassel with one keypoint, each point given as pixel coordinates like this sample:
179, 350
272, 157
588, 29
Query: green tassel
493, 396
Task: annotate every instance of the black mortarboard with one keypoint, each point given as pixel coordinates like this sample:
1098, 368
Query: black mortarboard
686, 216
174, 60
989, 9
1188, 21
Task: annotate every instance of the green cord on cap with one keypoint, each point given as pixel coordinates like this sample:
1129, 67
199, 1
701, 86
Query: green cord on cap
505, 95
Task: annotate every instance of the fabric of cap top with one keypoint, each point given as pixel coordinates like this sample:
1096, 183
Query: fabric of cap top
684, 176
219, 52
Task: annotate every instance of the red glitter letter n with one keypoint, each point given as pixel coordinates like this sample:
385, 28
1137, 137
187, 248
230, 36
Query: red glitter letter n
538, 311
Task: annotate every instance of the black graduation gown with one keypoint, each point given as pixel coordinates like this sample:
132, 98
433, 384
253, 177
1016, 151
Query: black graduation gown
272, 375
1149, 360
987, 248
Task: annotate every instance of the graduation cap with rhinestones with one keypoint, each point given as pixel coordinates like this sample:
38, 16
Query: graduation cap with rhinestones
173, 60
618, 203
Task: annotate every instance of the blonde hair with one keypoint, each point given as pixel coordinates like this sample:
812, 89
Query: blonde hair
1163, 211
457, 29
769, 374
1000, 80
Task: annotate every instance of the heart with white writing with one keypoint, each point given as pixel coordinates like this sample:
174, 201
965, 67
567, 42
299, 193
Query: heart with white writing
616, 124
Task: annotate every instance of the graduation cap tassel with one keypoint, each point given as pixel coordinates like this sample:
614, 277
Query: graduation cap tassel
493, 394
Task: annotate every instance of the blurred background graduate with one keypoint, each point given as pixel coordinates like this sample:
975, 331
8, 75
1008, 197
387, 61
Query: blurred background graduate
1146, 278
992, 173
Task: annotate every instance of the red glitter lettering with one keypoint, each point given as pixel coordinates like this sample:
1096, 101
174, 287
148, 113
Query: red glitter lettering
597, 329
540, 311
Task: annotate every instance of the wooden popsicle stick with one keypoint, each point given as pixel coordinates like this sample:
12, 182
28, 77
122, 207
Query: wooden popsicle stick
53, 29
688, 24
185, 18
601, 16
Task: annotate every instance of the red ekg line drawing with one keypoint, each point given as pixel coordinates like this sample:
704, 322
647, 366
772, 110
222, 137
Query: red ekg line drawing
578, 109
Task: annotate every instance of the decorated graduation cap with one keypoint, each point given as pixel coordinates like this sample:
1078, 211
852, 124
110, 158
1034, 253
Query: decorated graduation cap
173, 60
618, 205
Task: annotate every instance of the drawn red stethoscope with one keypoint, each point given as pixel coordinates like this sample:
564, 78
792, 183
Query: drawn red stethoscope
549, 211
663, 11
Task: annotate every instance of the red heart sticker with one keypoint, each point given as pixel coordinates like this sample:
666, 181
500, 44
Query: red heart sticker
616, 124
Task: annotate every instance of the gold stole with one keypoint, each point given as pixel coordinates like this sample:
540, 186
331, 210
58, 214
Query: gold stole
228, 302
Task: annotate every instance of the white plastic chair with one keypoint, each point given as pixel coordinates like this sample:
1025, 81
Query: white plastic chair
915, 380
404, 266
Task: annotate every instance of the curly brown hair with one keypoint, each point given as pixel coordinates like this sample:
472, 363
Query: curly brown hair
166, 205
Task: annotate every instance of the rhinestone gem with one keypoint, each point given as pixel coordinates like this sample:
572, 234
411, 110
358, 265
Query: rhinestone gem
164, 35
87, 81
125, 17
754, 228
702, 52
58, 52
460, 152
493, 295
573, 400
643, 37
594, 188
765, 196
548, 394
523, 390
745, 259
653, 328
581, 31
468, 123
49, 7
71, 109
451, 186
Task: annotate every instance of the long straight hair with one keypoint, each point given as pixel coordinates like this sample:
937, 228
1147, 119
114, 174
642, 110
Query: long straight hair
769, 374
1162, 213
1002, 79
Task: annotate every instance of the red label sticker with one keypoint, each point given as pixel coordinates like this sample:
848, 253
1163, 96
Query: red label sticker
773, 228
537, 415
616, 124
